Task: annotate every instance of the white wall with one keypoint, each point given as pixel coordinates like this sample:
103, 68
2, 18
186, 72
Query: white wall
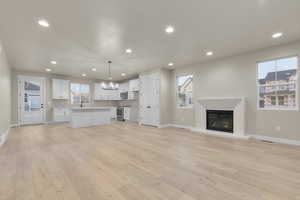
5, 88
236, 77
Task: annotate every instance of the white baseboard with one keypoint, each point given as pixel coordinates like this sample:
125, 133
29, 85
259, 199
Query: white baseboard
175, 126
164, 126
4, 136
276, 140
55, 122
217, 133
257, 137
14, 125
181, 126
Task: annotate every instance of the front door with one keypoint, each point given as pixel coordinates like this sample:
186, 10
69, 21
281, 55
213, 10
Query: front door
31, 100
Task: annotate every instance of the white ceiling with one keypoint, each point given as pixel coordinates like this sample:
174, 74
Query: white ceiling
87, 33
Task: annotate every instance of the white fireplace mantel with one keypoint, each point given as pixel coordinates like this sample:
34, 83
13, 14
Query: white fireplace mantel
235, 104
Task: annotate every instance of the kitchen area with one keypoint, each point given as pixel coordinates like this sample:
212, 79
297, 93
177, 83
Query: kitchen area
40, 98
84, 104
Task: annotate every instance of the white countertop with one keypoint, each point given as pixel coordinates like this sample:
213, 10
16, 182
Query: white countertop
90, 108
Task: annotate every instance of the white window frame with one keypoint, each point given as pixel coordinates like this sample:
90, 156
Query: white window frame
296, 108
176, 91
90, 96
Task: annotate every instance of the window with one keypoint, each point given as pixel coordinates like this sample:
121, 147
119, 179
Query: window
184, 87
281, 100
273, 100
80, 93
277, 83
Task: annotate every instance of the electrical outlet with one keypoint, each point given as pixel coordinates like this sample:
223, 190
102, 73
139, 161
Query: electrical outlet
278, 128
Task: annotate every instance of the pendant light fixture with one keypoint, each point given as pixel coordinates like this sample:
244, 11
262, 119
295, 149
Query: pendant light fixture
111, 85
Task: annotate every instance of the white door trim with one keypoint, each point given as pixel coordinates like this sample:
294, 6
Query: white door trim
19, 82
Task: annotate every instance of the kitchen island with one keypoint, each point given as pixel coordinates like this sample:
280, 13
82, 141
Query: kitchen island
90, 116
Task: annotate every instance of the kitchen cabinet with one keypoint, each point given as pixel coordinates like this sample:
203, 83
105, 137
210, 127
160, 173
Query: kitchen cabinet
127, 113
134, 85
132, 95
130, 113
113, 112
101, 94
90, 116
131, 87
61, 115
124, 87
60, 89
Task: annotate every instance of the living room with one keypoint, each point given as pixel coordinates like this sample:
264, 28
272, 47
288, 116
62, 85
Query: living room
149, 100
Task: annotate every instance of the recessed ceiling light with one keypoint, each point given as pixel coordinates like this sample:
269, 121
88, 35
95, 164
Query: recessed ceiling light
209, 53
84, 75
169, 29
94, 69
128, 50
43, 23
123, 74
277, 35
53, 62
48, 70
171, 64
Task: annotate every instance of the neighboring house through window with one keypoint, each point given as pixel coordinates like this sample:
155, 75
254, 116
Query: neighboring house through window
184, 87
80, 93
277, 84
32, 96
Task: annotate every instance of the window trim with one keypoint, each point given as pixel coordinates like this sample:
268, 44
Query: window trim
296, 108
90, 96
176, 91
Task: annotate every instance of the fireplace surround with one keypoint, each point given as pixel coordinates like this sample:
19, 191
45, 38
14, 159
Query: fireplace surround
237, 105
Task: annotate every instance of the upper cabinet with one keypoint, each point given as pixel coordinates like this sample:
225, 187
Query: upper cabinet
134, 85
101, 94
129, 87
60, 89
124, 87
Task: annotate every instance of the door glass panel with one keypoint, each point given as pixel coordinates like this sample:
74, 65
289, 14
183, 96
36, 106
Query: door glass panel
32, 96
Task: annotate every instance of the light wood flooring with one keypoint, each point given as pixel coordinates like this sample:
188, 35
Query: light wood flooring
130, 162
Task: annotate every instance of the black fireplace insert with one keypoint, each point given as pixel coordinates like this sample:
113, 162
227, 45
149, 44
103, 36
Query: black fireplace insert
219, 120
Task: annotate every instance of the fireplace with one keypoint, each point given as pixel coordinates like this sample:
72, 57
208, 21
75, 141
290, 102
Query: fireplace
219, 120
235, 105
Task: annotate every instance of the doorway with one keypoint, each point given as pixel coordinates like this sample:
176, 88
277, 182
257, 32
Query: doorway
31, 93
